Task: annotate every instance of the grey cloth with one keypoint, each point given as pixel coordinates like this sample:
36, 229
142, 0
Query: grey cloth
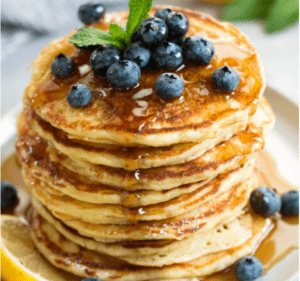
25, 21
46, 15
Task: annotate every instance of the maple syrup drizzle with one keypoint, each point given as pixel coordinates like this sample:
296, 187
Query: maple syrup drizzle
122, 111
280, 242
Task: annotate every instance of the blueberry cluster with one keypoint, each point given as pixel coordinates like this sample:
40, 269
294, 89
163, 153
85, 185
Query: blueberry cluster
159, 43
267, 202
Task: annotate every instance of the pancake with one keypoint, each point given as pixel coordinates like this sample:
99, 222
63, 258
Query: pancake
56, 201
138, 116
211, 213
136, 187
32, 153
71, 257
128, 158
224, 156
164, 252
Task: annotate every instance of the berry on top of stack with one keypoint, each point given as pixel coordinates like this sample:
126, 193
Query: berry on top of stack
139, 158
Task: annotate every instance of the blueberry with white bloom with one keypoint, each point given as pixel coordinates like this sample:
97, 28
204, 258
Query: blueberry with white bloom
290, 203
138, 53
167, 55
177, 24
89, 13
123, 74
152, 32
8, 195
169, 85
162, 13
79, 96
62, 66
265, 201
178, 41
225, 79
198, 50
248, 268
102, 58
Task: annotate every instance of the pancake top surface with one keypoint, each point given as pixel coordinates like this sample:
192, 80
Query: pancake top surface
136, 114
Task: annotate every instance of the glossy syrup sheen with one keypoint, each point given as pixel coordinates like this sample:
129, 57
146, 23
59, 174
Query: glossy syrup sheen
199, 101
281, 241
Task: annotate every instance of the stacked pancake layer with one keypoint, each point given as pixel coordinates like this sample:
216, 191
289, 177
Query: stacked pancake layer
133, 187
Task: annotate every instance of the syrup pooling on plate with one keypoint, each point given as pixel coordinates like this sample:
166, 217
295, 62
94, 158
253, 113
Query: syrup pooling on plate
281, 241
198, 97
201, 110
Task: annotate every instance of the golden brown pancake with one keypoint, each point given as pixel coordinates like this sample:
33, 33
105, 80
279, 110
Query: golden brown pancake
128, 158
78, 260
135, 187
56, 201
211, 213
225, 155
117, 117
164, 252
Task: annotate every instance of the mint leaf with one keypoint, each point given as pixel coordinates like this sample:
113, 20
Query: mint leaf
91, 36
247, 10
116, 36
117, 33
282, 15
138, 12
278, 14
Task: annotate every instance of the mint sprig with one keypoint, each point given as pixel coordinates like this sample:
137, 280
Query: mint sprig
276, 14
138, 11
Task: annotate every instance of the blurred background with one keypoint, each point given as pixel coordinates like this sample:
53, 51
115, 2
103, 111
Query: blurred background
27, 26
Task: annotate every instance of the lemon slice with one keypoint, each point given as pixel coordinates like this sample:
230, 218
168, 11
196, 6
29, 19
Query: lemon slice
20, 261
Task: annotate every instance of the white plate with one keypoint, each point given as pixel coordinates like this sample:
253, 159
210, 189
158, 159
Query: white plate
283, 143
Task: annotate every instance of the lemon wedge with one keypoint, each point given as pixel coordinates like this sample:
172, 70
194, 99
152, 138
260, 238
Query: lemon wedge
20, 261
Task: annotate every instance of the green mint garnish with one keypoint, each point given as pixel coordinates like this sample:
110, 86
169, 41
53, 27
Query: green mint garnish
276, 14
138, 11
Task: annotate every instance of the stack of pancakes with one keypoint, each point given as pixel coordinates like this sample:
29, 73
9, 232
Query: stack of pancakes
134, 187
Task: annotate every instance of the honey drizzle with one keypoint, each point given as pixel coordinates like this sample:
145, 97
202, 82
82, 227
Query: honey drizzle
280, 242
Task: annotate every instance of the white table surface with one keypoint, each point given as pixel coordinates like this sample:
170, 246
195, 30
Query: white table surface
279, 54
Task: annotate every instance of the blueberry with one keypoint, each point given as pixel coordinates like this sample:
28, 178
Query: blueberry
198, 50
136, 37
137, 53
225, 79
153, 31
162, 13
62, 66
79, 95
123, 74
102, 58
169, 85
89, 13
167, 55
248, 268
265, 201
178, 41
177, 24
290, 203
8, 195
